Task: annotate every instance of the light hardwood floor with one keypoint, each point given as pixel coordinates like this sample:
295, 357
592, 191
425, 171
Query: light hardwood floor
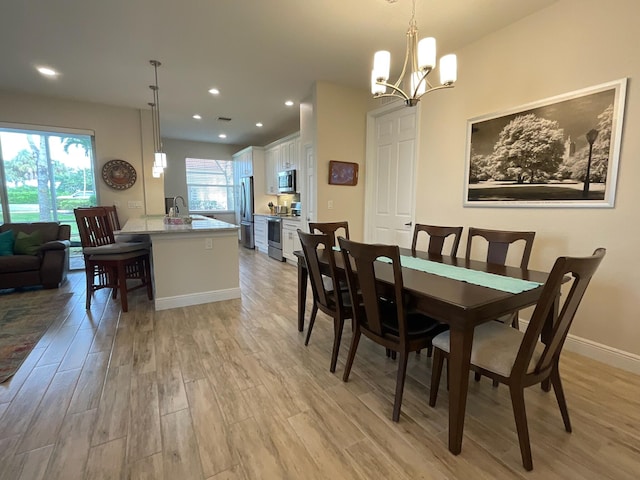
229, 391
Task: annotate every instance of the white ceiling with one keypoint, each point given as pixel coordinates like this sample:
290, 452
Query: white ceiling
259, 53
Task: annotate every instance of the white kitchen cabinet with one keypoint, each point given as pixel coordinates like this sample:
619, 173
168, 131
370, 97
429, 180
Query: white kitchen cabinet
243, 162
283, 154
290, 239
260, 233
271, 167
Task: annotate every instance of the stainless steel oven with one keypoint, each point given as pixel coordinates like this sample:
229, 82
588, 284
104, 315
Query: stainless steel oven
274, 237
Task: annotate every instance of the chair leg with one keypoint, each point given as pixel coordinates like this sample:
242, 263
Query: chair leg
559, 391
429, 351
122, 286
402, 375
496, 383
338, 325
388, 352
355, 339
436, 373
477, 376
520, 414
312, 321
89, 273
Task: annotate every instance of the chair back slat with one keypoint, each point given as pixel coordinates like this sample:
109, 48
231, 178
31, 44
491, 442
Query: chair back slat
363, 280
498, 243
112, 214
437, 237
94, 227
331, 229
580, 270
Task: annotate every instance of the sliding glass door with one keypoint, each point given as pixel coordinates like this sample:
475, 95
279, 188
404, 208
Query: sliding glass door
45, 174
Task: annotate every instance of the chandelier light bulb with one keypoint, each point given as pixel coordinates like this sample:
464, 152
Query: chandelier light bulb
376, 88
382, 65
448, 69
427, 53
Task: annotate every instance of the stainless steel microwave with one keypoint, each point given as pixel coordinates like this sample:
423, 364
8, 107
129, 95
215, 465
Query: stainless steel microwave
287, 181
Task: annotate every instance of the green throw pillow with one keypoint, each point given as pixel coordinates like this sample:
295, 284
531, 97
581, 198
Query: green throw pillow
27, 244
6, 243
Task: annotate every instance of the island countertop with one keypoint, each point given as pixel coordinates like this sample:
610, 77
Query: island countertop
155, 224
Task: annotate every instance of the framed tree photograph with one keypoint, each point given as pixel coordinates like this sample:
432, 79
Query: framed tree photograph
558, 152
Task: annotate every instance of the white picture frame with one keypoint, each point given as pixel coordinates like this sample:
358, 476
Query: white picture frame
537, 155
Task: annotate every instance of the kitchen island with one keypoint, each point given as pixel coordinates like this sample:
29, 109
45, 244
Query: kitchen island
192, 263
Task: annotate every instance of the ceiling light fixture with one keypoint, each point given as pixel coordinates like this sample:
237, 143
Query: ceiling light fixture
47, 72
214, 91
222, 135
419, 61
197, 117
159, 157
259, 124
289, 103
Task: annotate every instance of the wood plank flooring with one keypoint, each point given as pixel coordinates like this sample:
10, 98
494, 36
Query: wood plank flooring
228, 391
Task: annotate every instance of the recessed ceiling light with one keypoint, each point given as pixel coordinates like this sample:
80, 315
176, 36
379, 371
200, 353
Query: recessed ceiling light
214, 91
197, 117
289, 103
259, 124
222, 135
48, 72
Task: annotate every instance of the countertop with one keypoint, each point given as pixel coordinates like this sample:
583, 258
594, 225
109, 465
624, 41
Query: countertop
296, 218
155, 224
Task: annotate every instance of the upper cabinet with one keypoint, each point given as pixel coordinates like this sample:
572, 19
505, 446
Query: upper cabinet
243, 162
283, 154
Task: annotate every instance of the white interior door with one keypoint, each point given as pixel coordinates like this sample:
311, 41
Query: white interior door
391, 162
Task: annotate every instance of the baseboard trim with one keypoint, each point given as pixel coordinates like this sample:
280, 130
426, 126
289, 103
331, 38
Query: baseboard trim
600, 352
166, 303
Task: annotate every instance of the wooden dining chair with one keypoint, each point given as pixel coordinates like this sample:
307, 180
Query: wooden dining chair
109, 264
497, 244
336, 304
382, 315
437, 237
520, 359
330, 228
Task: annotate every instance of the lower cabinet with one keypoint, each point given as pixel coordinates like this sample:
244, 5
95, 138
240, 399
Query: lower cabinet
290, 239
260, 233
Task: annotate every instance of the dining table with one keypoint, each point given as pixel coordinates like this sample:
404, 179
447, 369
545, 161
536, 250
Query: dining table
460, 304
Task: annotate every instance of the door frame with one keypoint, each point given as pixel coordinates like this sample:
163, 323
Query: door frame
371, 161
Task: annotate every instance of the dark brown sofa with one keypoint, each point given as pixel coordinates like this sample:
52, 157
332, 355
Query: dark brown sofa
48, 268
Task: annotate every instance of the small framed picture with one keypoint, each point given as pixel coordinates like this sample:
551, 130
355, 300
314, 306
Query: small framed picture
343, 173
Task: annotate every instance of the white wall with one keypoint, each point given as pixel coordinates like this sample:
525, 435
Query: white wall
340, 122
120, 133
570, 45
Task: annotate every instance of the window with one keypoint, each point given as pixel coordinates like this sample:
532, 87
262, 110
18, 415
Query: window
45, 174
210, 185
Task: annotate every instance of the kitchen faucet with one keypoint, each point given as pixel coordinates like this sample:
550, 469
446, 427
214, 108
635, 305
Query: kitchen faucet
175, 204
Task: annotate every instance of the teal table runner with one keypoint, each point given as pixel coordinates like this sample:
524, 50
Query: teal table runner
484, 279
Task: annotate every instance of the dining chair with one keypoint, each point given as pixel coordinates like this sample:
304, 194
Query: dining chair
330, 228
336, 304
497, 243
109, 264
382, 315
520, 359
437, 237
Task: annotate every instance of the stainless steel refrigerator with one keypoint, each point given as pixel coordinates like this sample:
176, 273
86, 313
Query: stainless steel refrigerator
246, 212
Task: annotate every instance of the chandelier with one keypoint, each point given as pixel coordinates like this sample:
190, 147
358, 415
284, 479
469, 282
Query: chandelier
419, 62
159, 157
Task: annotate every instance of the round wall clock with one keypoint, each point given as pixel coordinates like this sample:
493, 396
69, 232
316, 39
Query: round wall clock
119, 174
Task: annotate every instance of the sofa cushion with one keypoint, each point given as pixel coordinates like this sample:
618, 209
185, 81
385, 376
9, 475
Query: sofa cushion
27, 243
19, 263
6, 243
48, 230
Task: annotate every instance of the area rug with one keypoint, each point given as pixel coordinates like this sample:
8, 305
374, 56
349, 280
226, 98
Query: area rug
24, 318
